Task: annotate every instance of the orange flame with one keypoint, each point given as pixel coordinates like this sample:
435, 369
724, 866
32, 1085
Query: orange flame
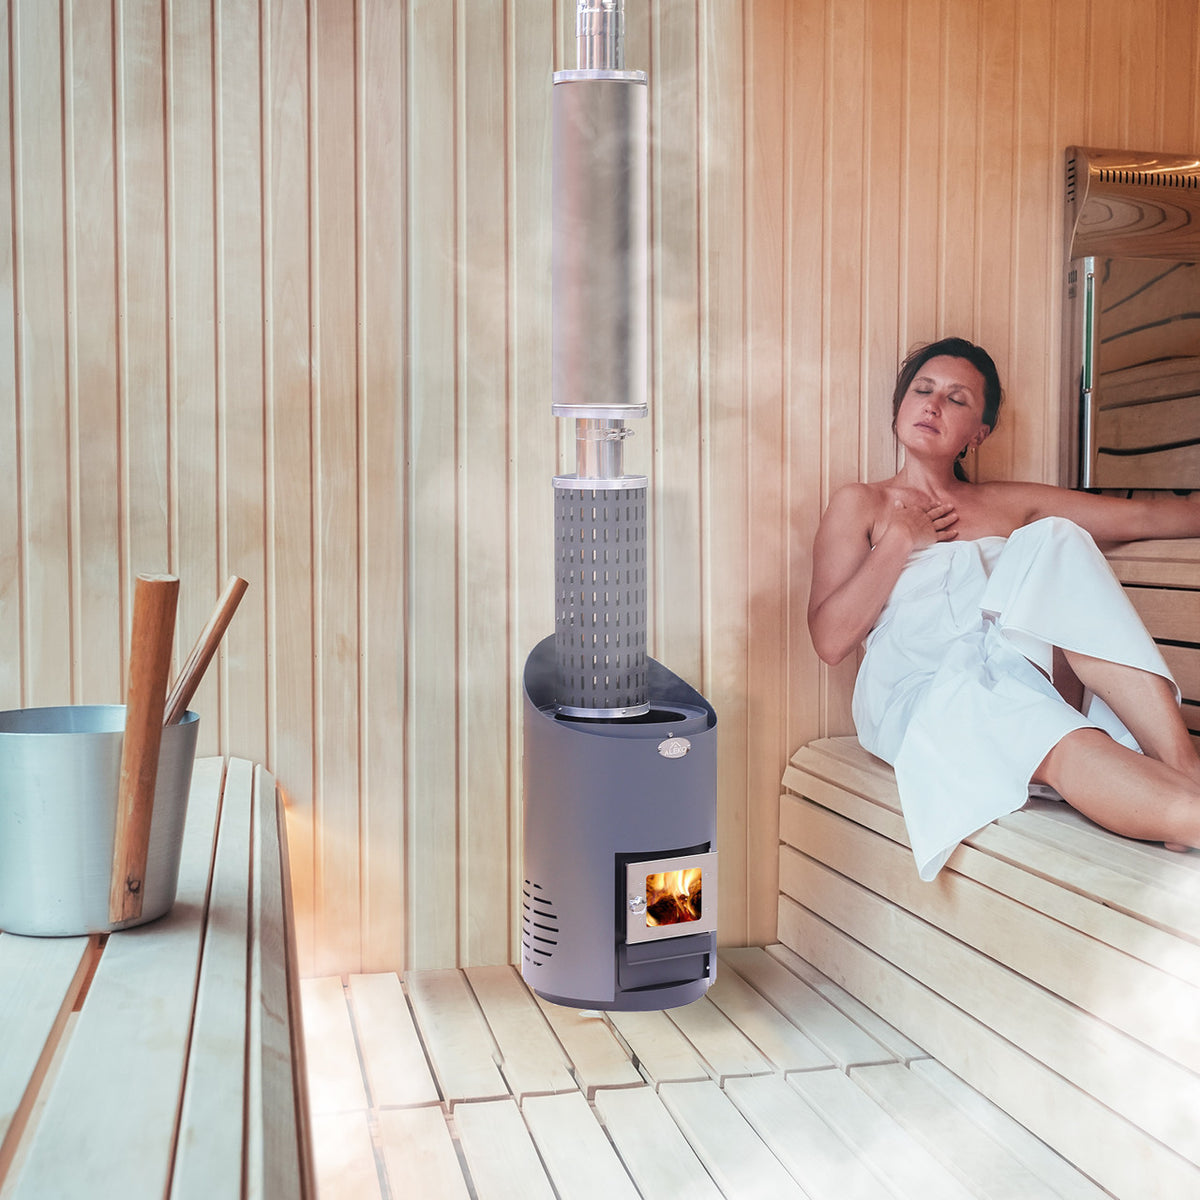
673, 897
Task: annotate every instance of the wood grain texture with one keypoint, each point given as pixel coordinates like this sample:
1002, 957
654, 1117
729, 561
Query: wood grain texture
277, 305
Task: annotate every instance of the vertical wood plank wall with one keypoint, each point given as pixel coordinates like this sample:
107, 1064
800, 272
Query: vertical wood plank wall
274, 300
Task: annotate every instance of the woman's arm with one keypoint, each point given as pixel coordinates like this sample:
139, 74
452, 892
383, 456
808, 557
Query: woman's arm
861, 546
1114, 518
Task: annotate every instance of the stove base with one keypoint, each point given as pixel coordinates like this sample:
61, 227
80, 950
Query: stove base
650, 1000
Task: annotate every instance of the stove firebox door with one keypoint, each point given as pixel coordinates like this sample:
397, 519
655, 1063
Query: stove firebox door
670, 897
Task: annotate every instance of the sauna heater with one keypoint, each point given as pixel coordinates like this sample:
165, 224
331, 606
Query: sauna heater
1131, 341
620, 812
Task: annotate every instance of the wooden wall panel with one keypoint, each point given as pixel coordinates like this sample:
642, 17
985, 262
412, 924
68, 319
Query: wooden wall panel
334, 144
484, 415
289, 585
677, 566
191, 114
93, 365
42, 432
275, 301
435, 672
14, 663
380, 102
725, 522
768, 236
531, 441
241, 543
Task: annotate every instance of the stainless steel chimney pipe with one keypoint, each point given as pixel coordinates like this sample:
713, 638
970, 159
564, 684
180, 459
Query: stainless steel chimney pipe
600, 274
600, 285
600, 35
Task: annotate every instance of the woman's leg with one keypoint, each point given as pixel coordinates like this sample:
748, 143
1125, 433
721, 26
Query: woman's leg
1146, 705
1066, 683
1129, 793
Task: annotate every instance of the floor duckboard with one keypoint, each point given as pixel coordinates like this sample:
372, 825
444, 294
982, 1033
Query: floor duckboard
463, 1084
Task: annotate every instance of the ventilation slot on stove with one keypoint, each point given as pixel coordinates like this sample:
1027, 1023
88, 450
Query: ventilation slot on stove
540, 925
1148, 179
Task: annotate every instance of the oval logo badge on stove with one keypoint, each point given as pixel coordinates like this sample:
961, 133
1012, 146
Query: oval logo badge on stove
674, 747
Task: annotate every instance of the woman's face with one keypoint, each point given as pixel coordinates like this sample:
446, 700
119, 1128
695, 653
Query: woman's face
942, 411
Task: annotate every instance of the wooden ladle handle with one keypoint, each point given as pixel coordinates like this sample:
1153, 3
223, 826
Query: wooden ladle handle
154, 601
202, 652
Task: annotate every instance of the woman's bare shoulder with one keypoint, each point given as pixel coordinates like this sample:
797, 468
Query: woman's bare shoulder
861, 499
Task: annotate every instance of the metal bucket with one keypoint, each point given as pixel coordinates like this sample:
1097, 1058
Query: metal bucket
59, 774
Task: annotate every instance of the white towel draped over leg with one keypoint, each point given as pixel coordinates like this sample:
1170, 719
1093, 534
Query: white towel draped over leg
954, 689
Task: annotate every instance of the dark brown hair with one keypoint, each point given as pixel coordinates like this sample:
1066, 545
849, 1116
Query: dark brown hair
952, 347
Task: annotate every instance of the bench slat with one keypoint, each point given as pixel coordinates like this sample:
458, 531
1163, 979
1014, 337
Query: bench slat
41, 978
1150, 863
1169, 613
299, 1064
277, 1164
116, 1098
847, 788
208, 1161
1079, 910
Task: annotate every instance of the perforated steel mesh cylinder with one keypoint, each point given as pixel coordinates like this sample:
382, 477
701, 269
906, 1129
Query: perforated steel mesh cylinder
600, 586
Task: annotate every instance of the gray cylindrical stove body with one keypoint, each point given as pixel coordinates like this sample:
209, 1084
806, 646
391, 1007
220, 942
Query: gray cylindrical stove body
599, 794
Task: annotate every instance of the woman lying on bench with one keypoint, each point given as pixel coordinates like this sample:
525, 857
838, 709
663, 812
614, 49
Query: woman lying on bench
1000, 649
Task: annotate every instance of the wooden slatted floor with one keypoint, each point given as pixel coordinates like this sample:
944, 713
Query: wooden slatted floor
776, 1084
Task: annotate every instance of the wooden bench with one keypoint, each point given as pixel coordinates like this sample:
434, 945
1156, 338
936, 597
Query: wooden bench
1051, 965
1163, 581
166, 1060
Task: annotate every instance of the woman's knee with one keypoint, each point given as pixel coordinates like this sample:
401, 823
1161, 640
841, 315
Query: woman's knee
1061, 763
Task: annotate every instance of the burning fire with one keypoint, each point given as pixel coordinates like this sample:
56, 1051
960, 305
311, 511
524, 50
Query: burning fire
673, 897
